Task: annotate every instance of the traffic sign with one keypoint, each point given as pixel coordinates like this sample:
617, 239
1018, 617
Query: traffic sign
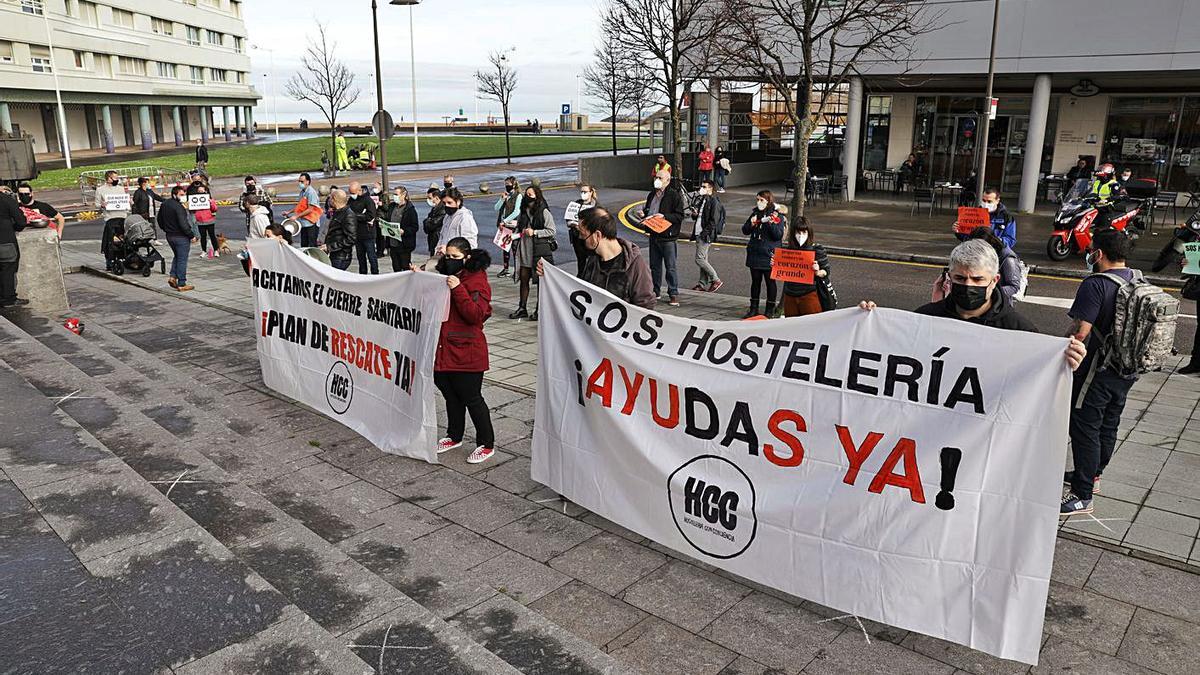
566, 108
383, 125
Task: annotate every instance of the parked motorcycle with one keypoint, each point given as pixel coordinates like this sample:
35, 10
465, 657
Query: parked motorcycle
1076, 218
1173, 251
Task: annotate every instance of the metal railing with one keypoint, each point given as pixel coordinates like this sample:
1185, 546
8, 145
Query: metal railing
90, 180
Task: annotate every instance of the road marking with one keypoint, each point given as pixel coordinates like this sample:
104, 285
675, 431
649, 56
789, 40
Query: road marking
623, 216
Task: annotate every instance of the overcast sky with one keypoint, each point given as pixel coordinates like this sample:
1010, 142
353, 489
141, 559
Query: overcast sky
553, 39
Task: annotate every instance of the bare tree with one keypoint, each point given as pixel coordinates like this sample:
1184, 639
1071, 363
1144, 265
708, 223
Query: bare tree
498, 85
676, 37
324, 81
810, 45
604, 80
638, 87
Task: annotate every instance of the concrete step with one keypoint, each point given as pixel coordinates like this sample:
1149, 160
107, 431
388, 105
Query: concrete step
355, 609
314, 475
88, 542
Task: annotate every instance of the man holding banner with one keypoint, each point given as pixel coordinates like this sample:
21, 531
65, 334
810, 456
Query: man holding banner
399, 225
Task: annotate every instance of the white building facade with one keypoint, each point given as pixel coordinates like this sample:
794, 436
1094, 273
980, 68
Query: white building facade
131, 73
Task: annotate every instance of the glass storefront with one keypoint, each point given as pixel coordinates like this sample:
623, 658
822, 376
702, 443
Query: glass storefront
1155, 137
876, 133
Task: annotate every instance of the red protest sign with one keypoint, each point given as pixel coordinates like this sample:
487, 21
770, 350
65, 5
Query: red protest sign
793, 265
971, 217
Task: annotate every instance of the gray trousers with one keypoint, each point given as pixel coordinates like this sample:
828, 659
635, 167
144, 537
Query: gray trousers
708, 275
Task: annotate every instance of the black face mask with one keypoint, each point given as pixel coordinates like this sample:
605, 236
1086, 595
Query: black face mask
450, 266
25, 198
448, 185
967, 297
528, 202
509, 188
450, 210
115, 181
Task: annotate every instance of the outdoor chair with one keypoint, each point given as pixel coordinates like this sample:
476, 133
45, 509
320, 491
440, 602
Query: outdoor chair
922, 196
1164, 201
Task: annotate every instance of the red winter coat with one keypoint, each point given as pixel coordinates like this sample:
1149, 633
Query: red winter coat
462, 346
706, 160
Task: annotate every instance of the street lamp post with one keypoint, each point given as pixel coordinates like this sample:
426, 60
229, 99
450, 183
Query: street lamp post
380, 132
274, 93
64, 139
412, 57
987, 106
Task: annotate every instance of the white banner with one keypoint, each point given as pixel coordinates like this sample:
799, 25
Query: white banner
198, 202
889, 465
358, 348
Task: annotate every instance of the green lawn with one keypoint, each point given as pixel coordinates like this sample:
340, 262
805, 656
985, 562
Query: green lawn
305, 154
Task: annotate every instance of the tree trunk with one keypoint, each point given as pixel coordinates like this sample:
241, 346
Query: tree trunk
804, 131
333, 145
639, 131
676, 132
507, 146
614, 130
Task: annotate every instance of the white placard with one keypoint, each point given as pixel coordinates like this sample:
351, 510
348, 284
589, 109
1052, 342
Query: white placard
878, 463
199, 202
116, 202
358, 348
572, 214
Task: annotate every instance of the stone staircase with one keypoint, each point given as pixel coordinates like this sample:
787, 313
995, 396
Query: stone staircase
210, 526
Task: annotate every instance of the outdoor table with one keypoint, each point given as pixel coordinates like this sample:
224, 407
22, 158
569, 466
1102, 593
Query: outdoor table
948, 191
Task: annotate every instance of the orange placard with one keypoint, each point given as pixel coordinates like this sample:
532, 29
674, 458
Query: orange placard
971, 217
656, 223
793, 265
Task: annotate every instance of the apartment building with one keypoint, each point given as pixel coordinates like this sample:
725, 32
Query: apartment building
130, 72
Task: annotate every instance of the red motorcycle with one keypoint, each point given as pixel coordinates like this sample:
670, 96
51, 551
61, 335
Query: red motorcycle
1073, 225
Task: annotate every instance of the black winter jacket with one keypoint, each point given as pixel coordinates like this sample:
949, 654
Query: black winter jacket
342, 231
671, 208
12, 219
365, 212
173, 219
406, 216
765, 230
1002, 314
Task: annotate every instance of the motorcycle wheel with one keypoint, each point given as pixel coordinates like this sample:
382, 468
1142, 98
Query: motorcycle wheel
1165, 257
1057, 249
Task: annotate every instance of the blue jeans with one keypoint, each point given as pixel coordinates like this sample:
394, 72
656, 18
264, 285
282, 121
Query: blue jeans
367, 256
663, 254
721, 178
1094, 424
181, 248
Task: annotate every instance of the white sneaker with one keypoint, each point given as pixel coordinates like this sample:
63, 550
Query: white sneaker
216, 254
480, 455
446, 445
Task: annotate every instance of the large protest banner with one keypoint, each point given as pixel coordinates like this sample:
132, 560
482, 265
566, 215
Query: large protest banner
889, 465
358, 348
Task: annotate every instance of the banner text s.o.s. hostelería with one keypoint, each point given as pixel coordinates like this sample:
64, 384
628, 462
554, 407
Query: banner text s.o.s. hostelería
358, 348
889, 465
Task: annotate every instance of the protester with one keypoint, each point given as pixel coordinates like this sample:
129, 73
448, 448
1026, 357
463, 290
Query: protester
143, 198
341, 234
588, 198
706, 159
435, 219
251, 188
176, 225
710, 221
447, 182
12, 221
340, 152
508, 209
259, 218
201, 156
661, 164
205, 220
612, 263
459, 221
402, 212
666, 199
537, 242
722, 163
803, 299
112, 188
462, 351
41, 210
765, 229
1004, 225
1098, 393
308, 211
1010, 263
365, 213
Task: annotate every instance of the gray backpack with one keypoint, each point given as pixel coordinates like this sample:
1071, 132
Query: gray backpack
1143, 333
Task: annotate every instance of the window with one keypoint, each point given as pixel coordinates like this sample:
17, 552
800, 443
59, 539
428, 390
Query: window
162, 27
197, 75
87, 13
215, 38
39, 57
215, 4
235, 6
193, 36
122, 18
237, 44
80, 61
131, 66
32, 7
6, 52
73, 8
241, 78
217, 74
166, 70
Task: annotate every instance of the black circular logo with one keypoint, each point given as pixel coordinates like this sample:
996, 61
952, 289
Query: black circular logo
339, 387
712, 501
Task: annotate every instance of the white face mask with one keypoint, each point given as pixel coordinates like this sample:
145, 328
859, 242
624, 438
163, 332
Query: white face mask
762, 205
990, 206
433, 202
658, 184
585, 196
801, 237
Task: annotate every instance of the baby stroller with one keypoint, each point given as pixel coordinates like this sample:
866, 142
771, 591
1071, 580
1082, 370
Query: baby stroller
133, 248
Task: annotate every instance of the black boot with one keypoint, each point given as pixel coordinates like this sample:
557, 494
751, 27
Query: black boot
520, 313
1190, 369
753, 311
770, 313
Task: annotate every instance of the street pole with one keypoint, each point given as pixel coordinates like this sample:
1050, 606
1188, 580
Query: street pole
63, 137
379, 99
987, 106
412, 57
274, 95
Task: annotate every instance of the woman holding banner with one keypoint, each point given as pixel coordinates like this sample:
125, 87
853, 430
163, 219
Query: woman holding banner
765, 229
462, 351
802, 299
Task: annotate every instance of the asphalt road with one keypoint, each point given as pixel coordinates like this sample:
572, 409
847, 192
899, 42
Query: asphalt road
891, 284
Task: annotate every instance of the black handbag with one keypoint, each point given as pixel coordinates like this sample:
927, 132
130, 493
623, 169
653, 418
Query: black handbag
826, 294
1191, 288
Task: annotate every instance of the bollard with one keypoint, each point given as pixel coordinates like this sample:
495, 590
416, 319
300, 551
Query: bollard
40, 274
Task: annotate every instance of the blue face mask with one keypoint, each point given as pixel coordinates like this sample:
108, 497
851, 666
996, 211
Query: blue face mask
1090, 260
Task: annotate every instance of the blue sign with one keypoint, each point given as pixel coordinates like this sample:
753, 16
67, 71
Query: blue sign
566, 109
